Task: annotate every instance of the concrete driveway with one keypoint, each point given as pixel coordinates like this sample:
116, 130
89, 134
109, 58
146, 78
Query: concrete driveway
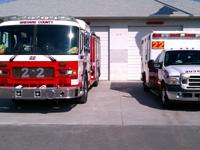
111, 103
117, 116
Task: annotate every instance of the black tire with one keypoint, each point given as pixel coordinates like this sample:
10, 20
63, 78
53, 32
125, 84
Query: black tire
83, 98
17, 103
145, 87
164, 98
96, 83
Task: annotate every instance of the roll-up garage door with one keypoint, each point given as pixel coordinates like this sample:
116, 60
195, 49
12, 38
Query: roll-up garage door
102, 32
134, 39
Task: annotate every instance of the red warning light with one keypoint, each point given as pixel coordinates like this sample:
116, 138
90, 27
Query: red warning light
175, 35
155, 35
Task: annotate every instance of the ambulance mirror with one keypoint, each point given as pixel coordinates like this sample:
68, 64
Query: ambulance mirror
151, 64
158, 65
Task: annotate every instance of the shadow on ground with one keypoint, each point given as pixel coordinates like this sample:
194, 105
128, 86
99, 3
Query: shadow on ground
135, 90
7, 106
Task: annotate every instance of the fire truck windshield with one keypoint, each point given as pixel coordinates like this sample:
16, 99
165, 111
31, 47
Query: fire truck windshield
39, 40
182, 57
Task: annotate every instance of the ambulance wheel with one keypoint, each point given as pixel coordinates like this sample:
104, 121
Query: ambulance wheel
145, 87
83, 98
165, 100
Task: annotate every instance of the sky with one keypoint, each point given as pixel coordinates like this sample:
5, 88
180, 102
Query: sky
6, 1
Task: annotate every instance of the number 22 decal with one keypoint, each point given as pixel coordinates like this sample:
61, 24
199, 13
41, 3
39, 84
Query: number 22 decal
26, 72
40, 72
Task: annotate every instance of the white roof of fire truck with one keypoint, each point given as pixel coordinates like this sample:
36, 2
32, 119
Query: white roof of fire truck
44, 20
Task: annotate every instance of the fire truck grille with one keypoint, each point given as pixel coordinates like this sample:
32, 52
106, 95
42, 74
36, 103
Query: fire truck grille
19, 72
194, 82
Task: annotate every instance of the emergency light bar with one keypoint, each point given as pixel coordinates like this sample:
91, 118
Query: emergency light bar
176, 35
16, 18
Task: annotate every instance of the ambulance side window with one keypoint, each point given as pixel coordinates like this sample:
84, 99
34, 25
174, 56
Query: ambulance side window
157, 59
161, 59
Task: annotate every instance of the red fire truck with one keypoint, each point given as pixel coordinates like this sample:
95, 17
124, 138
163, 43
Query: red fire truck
46, 58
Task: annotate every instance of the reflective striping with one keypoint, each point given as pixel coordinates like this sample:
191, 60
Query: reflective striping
66, 57
39, 58
31, 58
6, 57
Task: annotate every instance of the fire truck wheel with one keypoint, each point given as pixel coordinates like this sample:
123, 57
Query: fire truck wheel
16, 102
96, 83
165, 100
83, 98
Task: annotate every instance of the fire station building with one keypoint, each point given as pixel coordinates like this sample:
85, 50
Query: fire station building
119, 23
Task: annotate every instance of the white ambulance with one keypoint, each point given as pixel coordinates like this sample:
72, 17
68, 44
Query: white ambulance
171, 65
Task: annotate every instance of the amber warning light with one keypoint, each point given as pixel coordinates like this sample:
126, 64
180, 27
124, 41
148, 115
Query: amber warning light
158, 45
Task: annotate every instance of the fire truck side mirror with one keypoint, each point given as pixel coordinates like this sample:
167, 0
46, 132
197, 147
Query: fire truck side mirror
81, 56
151, 64
87, 49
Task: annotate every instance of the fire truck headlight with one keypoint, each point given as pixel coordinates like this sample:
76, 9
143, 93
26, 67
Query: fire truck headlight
4, 72
67, 72
174, 80
71, 72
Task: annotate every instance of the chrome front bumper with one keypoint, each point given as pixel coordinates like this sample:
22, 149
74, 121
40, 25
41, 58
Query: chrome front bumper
40, 93
184, 96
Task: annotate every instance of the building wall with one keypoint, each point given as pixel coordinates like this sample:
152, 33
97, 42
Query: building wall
121, 43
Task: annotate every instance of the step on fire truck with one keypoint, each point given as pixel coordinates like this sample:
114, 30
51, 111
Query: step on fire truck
47, 58
171, 65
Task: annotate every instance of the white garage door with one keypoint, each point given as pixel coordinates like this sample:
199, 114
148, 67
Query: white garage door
102, 32
134, 38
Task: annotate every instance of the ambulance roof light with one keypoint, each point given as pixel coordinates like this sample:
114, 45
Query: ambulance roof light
190, 35
156, 35
175, 35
